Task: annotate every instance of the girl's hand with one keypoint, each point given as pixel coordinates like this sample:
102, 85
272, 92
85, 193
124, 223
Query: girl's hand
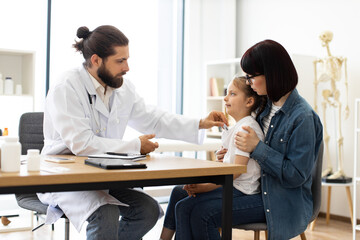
188, 188
246, 141
193, 189
220, 154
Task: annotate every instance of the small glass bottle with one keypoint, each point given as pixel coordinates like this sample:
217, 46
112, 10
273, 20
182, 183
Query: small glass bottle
33, 160
10, 154
6, 132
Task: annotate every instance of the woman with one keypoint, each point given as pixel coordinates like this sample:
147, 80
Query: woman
293, 134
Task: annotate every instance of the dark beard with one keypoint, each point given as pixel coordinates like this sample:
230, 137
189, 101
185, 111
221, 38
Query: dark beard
108, 79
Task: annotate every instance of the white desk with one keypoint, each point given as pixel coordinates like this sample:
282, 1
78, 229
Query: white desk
165, 145
161, 170
210, 144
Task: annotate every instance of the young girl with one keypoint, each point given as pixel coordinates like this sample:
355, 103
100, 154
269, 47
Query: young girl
188, 201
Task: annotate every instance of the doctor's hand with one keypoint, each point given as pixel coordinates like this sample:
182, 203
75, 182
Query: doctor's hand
246, 141
215, 118
146, 145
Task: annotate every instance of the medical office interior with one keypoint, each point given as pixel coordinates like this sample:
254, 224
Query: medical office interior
176, 48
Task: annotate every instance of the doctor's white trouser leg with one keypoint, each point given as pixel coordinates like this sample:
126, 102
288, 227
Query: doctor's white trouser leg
136, 220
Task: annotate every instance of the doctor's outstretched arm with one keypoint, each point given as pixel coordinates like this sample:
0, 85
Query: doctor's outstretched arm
215, 118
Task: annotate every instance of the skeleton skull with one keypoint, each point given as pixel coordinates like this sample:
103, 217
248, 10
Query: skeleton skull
326, 37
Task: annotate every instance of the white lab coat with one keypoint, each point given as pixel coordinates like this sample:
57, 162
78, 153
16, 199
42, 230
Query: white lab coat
77, 121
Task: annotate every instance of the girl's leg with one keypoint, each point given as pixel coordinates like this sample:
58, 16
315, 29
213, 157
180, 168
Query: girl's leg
169, 222
205, 218
185, 210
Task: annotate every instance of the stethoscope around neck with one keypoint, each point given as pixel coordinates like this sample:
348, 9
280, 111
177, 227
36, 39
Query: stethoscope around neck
94, 112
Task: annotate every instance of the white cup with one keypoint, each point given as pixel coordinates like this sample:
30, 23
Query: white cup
33, 160
18, 89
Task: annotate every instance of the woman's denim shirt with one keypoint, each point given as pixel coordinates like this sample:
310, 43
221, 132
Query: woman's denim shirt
287, 157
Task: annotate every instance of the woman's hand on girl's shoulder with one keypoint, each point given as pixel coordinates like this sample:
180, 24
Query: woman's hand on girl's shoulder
246, 141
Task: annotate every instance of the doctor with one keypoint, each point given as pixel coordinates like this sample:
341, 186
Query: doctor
87, 113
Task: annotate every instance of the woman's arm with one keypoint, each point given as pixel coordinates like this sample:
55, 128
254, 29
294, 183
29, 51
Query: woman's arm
292, 165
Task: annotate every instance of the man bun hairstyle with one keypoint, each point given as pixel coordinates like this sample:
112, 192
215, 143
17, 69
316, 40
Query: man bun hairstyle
101, 41
83, 32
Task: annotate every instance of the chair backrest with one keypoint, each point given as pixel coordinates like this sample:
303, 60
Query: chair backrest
31, 137
316, 182
31, 134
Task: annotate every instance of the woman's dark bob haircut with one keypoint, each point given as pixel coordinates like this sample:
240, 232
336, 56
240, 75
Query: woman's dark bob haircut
272, 60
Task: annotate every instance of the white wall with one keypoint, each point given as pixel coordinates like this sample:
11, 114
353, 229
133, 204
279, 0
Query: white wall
209, 35
24, 28
143, 37
296, 25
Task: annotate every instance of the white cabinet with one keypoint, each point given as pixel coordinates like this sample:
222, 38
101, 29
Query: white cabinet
356, 177
218, 75
19, 65
21, 219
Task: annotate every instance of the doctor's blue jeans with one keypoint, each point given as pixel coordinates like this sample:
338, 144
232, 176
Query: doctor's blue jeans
199, 217
136, 220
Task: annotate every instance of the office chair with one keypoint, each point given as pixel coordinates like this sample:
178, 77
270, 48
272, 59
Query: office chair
31, 137
316, 193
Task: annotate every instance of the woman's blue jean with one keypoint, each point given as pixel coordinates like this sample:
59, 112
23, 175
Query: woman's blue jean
200, 217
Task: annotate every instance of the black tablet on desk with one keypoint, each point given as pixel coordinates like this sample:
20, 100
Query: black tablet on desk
113, 163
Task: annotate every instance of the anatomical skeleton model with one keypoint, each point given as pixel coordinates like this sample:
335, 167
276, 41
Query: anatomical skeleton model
330, 71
